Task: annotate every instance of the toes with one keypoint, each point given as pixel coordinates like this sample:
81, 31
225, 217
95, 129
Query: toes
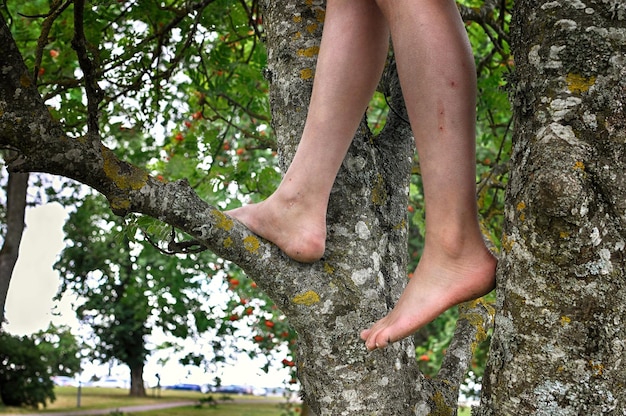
374, 339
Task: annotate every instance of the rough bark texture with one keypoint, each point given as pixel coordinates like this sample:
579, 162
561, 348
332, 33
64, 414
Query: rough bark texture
15, 211
559, 342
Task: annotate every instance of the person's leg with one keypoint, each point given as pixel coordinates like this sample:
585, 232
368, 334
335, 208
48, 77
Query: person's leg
352, 55
437, 76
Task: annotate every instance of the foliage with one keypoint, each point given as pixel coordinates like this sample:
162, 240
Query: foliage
61, 349
27, 364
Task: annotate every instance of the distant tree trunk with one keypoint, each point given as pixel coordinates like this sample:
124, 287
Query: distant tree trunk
560, 337
15, 212
137, 388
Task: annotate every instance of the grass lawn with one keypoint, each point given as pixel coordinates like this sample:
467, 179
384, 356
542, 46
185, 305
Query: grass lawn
223, 409
104, 398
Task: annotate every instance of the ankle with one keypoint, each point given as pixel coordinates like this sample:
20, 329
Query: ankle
457, 243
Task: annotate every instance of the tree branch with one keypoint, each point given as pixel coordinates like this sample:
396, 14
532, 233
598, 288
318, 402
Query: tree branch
55, 11
475, 319
92, 89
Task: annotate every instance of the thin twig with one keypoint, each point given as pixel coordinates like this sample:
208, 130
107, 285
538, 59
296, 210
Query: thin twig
92, 89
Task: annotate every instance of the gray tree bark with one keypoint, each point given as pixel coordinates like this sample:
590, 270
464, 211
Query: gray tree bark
559, 341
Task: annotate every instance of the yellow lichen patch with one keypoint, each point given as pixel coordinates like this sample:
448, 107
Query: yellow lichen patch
306, 73
401, 225
564, 234
222, 221
312, 27
328, 268
320, 15
475, 319
507, 243
251, 243
441, 408
25, 80
125, 176
597, 368
578, 84
307, 298
120, 204
565, 320
228, 242
579, 166
297, 19
297, 35
309, 52
379, 193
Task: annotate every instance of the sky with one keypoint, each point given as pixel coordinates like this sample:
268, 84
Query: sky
30, 307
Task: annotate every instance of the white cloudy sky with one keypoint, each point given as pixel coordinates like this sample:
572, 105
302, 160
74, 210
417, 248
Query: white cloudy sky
30, 305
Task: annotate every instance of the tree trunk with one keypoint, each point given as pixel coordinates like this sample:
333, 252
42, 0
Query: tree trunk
137, 387
365, 268
15, 212
558, 347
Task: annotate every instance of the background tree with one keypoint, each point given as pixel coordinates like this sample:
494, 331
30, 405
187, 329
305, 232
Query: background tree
61, 350
29, 362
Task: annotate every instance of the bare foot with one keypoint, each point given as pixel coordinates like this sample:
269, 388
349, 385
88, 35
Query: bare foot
294, 225
438, 283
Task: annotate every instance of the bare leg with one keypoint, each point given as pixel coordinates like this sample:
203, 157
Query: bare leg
294, 217
437, 75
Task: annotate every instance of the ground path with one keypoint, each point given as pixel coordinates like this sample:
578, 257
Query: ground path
124, 409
